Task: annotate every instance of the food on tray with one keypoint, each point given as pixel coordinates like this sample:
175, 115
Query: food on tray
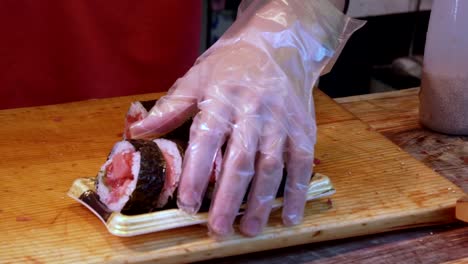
142, 175
132, 178
135, 191
140, 109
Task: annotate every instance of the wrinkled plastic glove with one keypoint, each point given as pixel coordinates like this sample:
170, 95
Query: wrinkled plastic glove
253, 90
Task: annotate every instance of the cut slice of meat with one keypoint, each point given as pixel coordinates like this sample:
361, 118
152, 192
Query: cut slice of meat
135, 113
119, 174
116, 180
172, 155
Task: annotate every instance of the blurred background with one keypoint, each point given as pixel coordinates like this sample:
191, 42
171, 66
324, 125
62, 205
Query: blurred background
64, 51
385, 55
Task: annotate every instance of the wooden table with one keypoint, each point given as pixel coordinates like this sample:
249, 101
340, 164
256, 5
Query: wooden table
394, 114
45, 148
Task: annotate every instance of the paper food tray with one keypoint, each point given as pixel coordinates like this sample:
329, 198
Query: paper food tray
83, 190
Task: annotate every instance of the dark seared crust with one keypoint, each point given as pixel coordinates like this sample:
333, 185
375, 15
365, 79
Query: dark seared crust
150, 178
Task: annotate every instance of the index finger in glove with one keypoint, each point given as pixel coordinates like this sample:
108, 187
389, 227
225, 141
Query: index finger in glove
237, 172
207, 134
171, 110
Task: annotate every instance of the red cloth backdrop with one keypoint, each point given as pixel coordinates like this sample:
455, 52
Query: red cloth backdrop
54, 51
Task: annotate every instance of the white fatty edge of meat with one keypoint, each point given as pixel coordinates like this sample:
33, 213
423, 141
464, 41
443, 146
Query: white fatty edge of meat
102, 189
119, 147
169, 148
137, 108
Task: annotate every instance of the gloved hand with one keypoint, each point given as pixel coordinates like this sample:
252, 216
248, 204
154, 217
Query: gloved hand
253, 90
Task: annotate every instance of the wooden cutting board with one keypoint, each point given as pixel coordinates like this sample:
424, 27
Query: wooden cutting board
379, 188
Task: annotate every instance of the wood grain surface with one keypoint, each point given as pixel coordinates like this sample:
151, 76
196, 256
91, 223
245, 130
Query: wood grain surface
388, 111
379, 188
428, 245
395, 115
439, 244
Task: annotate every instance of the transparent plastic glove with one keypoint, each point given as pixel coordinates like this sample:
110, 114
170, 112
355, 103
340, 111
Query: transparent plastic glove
253, 91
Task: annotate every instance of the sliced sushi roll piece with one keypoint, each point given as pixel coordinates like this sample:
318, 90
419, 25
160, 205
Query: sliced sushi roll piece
142, 176
132, 178
172, 154
172, 147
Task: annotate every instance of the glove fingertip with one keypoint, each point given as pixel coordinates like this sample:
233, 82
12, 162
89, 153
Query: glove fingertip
188, 207
291, 220
143, 128
220, 227
292, 216
251, 227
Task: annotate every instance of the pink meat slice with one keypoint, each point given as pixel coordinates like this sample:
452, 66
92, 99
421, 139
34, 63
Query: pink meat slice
135, 113
119, 175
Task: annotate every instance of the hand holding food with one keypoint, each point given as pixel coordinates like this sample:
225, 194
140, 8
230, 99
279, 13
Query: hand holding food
252, 91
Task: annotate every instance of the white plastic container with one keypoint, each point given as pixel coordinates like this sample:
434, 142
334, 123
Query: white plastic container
444, 86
